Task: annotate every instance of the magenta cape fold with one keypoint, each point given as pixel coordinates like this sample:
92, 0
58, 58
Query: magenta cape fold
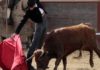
11, 54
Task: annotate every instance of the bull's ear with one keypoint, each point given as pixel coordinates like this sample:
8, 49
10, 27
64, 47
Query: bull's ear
41, 53
38, 53
44, 53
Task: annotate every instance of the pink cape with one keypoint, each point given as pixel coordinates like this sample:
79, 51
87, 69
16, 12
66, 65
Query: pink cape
11, 54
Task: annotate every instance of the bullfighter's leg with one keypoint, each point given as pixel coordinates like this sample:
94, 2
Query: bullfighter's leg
57, 63
64, 62
37, 41
91, 58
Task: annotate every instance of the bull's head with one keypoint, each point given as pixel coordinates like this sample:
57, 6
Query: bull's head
42, 61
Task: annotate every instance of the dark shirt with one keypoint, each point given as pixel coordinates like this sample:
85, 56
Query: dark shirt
35, 15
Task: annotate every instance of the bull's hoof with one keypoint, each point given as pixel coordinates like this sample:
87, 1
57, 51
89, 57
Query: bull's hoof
92, 65
31, 68
78, 57
55, 68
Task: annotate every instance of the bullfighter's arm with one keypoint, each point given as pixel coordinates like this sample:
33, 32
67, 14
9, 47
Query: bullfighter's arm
21, 24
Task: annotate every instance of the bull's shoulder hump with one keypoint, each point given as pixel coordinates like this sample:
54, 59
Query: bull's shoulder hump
59, 29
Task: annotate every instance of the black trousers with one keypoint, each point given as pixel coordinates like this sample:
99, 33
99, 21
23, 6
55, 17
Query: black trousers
38, 40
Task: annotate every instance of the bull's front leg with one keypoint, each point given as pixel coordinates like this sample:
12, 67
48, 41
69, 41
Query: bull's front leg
64, 63
91, 58
58, 60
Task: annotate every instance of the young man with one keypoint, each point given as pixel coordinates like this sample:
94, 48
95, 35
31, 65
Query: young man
36, 13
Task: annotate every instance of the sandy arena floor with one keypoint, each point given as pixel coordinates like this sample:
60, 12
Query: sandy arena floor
77, 64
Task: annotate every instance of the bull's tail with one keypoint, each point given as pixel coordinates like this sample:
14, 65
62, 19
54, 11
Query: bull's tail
97, 50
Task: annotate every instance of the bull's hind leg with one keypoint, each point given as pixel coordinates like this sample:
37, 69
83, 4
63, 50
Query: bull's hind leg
58, 60
91, 58
64, 62
80, 54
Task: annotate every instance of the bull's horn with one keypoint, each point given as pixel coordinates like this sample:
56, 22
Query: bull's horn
30, 57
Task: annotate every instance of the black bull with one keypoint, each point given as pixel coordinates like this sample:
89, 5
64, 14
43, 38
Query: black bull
11, 4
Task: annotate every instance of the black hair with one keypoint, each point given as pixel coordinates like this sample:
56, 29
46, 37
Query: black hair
31, 3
